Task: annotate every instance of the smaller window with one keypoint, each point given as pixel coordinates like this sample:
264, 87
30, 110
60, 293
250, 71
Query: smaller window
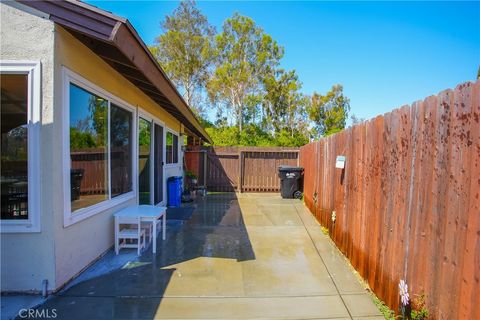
172, 148
20, 167
144, 155
14, 165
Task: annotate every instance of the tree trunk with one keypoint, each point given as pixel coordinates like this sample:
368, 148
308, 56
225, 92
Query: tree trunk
187, 97
240, 119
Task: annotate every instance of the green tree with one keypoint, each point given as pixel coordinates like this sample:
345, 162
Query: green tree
287, 138
283, 104
185, 51
98, 108
81, 139
224, 135
329, 112
253, 135
245, 53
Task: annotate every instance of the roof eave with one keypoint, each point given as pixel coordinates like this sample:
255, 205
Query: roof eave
103, 26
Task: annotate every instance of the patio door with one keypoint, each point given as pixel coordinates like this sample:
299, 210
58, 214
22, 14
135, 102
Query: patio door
151, 142
158, 163
144, 161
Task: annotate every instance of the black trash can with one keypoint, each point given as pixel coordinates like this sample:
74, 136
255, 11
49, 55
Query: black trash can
291, 182
76, 176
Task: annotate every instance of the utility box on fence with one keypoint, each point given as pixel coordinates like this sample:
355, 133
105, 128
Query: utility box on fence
291, 182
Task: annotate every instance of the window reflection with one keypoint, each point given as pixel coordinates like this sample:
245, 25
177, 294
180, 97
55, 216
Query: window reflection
120, 150
14, 143
172, 148
144, 141
88, 148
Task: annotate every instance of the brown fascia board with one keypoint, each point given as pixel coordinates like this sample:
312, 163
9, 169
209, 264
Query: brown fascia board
135, 52
74, 15
102, 25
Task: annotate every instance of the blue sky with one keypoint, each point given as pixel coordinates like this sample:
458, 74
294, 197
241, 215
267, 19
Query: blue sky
385, 54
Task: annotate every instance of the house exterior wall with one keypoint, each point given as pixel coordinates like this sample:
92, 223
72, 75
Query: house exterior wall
57, 253
28, 258
77, 245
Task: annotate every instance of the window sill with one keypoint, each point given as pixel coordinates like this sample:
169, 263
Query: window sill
84, 213
19, 226
171, 165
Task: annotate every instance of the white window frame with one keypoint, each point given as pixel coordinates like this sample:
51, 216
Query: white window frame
153, 120
33, 70
173, 164
69, 217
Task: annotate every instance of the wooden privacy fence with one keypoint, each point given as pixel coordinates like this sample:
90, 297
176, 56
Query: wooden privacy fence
407, 203
242, 169
91, 164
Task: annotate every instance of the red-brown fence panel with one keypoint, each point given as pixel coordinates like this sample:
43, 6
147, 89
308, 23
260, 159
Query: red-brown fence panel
408, 201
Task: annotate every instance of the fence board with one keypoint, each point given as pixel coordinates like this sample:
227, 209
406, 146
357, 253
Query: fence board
408, 201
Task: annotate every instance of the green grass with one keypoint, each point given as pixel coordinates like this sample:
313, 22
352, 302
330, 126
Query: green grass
384, 309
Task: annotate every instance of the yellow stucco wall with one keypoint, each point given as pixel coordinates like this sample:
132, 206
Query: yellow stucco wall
79, 244
78, 58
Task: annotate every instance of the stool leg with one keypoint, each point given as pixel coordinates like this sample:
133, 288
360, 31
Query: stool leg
164, 227
116, 235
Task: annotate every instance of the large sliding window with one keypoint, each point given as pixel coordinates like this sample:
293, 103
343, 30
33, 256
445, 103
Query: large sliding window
101, 150
19, 117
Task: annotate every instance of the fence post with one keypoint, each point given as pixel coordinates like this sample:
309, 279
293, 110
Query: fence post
240, 170
205, 158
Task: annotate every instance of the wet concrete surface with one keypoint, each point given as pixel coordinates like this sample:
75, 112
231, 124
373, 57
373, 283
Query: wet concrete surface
240, 256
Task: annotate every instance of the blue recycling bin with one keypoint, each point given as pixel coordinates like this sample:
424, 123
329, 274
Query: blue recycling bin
174, 187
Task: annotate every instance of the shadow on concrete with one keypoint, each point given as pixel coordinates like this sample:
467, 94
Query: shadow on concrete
135, 290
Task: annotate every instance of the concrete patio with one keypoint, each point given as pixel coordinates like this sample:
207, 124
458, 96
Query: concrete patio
239, 256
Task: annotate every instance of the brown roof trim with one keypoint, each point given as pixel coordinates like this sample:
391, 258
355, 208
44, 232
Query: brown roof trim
126, 51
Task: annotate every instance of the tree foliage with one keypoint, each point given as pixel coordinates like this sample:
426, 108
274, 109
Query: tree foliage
81, 139
257, 103
185, 51
244, 55
329, 112
281, 98
254, 135
98, 109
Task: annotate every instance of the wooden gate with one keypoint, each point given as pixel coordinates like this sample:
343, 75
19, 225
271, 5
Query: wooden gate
242, 169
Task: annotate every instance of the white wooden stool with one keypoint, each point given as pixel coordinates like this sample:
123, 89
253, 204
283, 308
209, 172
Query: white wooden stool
129, 228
